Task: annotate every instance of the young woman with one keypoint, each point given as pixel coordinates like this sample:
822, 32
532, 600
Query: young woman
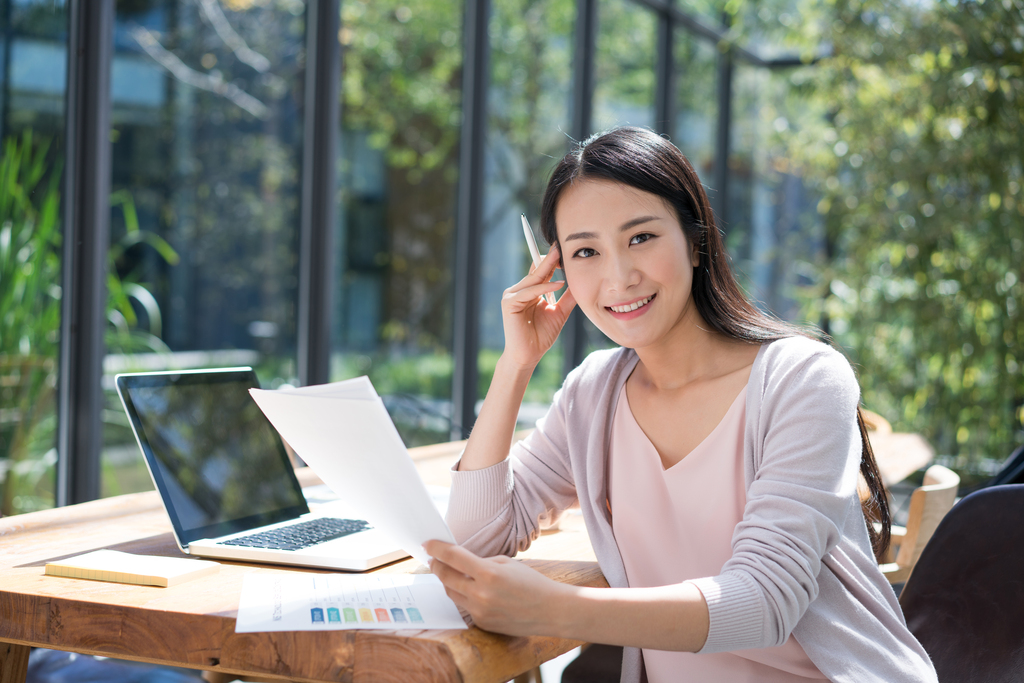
714, 456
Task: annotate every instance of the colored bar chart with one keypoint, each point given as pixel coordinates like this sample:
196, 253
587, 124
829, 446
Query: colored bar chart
298, 601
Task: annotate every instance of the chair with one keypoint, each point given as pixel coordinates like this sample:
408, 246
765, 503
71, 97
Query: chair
596, 664
965, 598
1012, 471
898, 455
928, 504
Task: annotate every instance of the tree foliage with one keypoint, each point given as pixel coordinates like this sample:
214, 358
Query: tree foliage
401, 91
916, 148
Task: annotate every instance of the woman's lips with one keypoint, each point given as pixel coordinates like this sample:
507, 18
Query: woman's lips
632, 309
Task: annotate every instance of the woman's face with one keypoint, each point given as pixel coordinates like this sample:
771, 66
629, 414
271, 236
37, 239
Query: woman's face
627, 261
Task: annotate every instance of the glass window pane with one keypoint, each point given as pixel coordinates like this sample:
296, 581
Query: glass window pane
696, 106
624, 84
773, 227
529, 105
401, 111
708, 12
624, 65
33, 66
205, 202
775, 28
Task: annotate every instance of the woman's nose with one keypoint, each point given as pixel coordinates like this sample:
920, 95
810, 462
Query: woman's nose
622, 274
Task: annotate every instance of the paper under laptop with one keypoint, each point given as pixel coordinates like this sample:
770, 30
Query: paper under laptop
223, 475
343, 431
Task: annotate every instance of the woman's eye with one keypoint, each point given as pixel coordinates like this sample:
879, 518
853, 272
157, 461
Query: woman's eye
585, 252
640, 238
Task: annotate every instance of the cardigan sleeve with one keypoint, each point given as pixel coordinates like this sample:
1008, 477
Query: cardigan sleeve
500, 510
806, 458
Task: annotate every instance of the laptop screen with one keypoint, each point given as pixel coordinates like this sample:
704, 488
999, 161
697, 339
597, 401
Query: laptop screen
217, 462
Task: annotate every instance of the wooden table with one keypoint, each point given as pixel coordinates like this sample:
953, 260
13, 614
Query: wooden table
193, 625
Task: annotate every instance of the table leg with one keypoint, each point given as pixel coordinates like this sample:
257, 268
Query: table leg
13, 662
531, 676
218, 677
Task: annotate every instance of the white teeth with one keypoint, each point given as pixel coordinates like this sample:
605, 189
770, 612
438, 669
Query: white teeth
630, 307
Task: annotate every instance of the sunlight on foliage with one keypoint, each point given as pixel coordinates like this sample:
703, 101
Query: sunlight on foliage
915, 144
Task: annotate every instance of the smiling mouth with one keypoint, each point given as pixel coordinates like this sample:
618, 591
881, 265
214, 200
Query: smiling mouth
633, 306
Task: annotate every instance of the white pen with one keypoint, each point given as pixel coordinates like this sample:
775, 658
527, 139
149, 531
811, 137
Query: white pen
531, 242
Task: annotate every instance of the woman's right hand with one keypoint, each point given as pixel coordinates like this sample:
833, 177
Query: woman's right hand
531, 324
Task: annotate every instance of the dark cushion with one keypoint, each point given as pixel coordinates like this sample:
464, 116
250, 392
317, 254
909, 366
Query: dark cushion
1012, 471
964, 600
596, 664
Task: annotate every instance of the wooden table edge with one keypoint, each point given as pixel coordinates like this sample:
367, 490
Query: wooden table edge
66, 623
29, 621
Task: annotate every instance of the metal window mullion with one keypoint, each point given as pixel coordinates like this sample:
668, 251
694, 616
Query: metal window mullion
5, 87
664, 97
469, 215
86, 241
697, 26
720, 200
319, 179
574, 334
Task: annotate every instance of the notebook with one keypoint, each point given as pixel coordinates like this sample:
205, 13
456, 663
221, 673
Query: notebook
143, 570
225, 478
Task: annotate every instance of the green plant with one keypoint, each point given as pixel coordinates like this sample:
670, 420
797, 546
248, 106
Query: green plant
124, 335
30, 296
30, 315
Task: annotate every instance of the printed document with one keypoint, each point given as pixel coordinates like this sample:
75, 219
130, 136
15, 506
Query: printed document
339, 602
343, 431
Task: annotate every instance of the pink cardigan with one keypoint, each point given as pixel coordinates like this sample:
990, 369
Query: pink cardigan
802, 560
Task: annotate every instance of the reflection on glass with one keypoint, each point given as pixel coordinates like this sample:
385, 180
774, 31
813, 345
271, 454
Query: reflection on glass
33, 57
395, 241
529, 103
773, 229
217, 456
696, 110
708, 12
624, 65
769, 27
207, 142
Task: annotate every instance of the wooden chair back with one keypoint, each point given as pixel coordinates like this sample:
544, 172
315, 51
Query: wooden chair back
929, 503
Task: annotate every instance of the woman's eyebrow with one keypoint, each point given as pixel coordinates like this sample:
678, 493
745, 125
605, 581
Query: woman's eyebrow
631, 223
580, 236
637, 221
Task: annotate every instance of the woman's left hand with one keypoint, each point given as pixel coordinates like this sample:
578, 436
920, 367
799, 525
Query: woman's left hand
502, 595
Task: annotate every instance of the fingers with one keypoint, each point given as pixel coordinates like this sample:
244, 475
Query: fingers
452, 579
537, 283
454, 556
529, 295
567, 301
458, 598
449, 563
433, 547
547, 266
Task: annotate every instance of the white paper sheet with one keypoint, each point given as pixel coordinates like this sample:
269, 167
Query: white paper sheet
343, 432
340, 602
323, 500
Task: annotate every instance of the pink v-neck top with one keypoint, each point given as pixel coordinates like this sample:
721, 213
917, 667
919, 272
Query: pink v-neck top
676, 524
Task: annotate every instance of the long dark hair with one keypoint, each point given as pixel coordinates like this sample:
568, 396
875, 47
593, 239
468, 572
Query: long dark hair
642, 159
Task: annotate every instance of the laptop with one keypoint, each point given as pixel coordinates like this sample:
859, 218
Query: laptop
225, 478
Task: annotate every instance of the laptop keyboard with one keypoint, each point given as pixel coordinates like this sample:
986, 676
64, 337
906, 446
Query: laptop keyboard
302, 535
